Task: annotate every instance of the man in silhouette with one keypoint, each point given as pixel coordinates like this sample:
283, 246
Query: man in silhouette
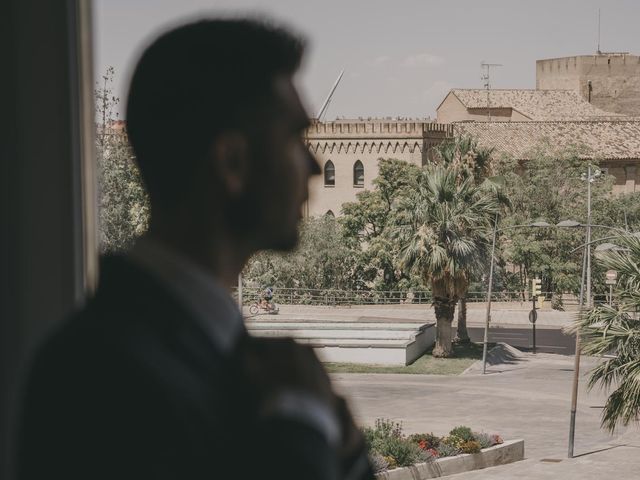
156, 377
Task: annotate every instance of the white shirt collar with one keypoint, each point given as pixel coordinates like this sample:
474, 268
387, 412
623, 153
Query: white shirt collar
196, 288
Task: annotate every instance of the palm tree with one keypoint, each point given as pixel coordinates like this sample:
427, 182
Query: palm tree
616, 330
442, 228
470, 161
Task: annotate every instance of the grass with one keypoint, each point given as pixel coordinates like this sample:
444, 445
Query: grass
464, 355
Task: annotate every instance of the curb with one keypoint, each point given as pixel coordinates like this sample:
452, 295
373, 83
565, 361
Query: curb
507, 452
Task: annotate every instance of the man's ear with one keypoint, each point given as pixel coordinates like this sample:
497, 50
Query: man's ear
231, 163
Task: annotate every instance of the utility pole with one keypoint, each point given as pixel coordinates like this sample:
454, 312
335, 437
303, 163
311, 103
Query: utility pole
486, 76
585, 301
488, 318
588, 292
598, 51
536, 290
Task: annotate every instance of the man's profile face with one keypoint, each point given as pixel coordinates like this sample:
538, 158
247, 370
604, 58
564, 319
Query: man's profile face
282, 182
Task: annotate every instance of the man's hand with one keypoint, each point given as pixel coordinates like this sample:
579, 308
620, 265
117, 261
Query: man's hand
276, 367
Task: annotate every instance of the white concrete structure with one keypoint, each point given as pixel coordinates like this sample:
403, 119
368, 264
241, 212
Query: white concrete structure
377, 342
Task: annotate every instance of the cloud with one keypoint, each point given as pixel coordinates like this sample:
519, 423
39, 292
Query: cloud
381, 60
422, 60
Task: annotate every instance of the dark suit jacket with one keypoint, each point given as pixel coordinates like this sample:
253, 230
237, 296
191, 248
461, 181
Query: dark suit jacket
131, 387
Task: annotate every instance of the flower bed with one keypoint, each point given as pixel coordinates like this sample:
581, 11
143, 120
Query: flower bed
389, 448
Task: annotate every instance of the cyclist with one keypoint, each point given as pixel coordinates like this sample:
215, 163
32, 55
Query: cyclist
267, 297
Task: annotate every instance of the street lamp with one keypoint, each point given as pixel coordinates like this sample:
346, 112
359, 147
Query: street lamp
537, 224
590, 177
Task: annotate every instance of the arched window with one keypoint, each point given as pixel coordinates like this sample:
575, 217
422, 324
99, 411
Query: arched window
358, 174
329, 174
329, 214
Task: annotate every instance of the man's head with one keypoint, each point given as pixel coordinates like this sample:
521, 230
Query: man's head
216, 125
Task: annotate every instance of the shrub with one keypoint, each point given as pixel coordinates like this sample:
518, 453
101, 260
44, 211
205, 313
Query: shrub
390, 461
369, 435
484, 439
402, 450
470, 446
448, 450
425, 441
390, 448
378, 462
388, 428
463, 432
452, 441
379, 436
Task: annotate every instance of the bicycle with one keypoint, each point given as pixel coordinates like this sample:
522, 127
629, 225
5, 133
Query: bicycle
270, 307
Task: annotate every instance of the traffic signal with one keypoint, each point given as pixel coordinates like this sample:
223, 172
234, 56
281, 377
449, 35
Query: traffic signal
536, 287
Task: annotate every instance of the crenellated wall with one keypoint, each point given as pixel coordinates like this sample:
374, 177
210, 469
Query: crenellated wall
344, 142
610, 80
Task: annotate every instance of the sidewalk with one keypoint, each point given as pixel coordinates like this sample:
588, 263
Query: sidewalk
528, 398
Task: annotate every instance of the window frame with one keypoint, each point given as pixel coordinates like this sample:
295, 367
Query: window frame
329, 182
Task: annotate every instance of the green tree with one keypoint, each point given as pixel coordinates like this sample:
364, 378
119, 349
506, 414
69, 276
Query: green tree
123, 202
322, 260
366, 220
538, 190
443, 228
616, 330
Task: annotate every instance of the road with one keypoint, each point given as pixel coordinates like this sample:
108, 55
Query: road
528, 398
548, 340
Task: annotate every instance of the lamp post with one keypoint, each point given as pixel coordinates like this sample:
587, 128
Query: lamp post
589, 178
486, 326
539, 224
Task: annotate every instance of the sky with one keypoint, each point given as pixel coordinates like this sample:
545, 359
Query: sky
400, 57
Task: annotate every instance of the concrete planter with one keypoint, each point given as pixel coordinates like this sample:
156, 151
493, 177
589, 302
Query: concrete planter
507, 452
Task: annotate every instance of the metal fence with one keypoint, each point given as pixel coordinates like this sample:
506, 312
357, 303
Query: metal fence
329, 297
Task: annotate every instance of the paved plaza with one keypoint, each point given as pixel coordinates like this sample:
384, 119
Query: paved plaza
502, 313
528, 398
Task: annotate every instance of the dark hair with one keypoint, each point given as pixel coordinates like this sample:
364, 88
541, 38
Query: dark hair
194, 82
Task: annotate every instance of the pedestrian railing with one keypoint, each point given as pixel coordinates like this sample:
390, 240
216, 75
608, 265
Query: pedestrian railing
336, 297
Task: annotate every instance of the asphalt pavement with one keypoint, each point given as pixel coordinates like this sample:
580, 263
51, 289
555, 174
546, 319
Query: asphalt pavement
548, 340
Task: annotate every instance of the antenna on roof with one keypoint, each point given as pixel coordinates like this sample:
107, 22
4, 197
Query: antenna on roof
486, 76
324, 106
598, 51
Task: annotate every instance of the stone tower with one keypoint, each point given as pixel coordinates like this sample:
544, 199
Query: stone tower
610, 81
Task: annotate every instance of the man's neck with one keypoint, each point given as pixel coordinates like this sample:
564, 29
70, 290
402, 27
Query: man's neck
222, 256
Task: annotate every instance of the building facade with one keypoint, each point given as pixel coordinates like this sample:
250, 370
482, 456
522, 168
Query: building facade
348, 152
615, 145
610, 81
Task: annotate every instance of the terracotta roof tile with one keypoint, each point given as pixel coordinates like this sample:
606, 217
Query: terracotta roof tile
542, 105
607, 140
